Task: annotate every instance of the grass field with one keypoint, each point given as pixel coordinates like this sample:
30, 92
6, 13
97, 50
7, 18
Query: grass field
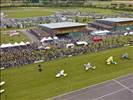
6, 38
29, 12
45, 11
26, 83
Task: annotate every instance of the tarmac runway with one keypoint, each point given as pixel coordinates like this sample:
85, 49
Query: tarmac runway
116, 89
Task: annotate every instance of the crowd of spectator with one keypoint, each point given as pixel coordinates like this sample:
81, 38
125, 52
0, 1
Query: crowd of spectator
19, 56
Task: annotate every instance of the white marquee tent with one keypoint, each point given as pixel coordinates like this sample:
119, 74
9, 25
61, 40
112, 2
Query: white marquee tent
71, 45
15, 44
46, 39
81, 43
100, 32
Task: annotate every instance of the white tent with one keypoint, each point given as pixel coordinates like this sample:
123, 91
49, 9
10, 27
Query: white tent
13, 45
6, 45
22, 43
46, 39
43, 39
125, 33
81, 43
55, 38
27, 42
130, 33
128, 28
71, 45
42, 47
2, 46
100, 32
49, 38
16, 44
10, 45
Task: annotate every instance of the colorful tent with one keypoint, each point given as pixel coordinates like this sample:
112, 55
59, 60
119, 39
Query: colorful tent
97, 39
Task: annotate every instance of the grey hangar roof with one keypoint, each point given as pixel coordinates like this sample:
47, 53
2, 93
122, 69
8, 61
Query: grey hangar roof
117, 19
61, 25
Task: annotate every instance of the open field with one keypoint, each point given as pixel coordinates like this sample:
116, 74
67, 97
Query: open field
26, 83
103, 11
29, 12
6, 38
45, 11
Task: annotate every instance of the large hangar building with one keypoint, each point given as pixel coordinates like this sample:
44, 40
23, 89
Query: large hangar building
114, 24
63, 28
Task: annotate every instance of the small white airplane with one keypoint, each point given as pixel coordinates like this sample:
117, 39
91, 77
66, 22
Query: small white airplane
2, 83
88, 66
61, 73
1, 91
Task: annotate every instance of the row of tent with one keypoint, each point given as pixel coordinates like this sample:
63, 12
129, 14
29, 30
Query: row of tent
95, 39
15, 44
71, 45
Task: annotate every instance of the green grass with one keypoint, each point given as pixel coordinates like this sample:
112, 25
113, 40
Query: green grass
26, 83
29, 12
22, 12
103, 11
6, 38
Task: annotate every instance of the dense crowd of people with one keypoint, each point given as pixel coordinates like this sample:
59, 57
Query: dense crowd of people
21, 55
16, 56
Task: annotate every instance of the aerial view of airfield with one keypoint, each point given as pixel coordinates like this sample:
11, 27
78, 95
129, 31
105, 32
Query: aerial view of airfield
66, 50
